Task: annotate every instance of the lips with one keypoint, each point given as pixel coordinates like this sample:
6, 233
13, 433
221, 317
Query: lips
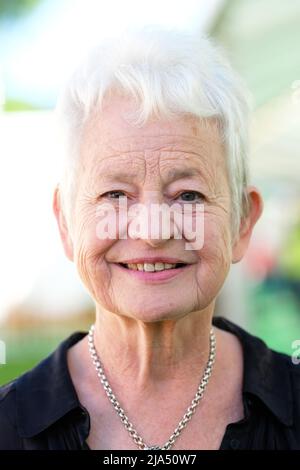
157, 259
152, 267
151, 275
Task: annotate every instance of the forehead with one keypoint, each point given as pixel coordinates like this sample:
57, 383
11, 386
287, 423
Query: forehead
111, 142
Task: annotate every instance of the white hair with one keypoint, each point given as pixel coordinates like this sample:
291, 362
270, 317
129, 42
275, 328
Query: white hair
168, 72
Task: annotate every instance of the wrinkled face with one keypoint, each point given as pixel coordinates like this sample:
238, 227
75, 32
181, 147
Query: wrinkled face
168, 162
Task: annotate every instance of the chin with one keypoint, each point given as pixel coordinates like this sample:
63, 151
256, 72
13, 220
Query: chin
156, 314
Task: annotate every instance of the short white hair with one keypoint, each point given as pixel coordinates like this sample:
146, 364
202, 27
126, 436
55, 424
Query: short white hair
169, 73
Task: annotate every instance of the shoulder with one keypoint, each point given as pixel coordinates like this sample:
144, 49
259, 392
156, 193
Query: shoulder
290, 395
290, 369
294, 372
29, 404
9, 438
273, 378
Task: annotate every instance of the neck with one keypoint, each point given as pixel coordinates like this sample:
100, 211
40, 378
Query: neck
152, 353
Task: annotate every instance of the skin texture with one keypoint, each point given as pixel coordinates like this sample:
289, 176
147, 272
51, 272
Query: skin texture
153, 339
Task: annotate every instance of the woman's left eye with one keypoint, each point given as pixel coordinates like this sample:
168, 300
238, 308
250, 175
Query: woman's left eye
191, 196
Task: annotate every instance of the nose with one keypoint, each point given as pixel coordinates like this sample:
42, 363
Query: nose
152, 222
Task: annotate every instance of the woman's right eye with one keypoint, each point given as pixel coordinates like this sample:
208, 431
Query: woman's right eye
113, 194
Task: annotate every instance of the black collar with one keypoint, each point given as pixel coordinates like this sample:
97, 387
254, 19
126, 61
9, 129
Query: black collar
46, 393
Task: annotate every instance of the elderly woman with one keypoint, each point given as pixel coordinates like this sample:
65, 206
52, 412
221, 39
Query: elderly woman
155, 119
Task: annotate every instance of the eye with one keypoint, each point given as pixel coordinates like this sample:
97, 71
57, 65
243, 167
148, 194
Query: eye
192, 196
114, 194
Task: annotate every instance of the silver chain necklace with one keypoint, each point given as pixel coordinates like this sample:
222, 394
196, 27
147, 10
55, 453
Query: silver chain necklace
121, 413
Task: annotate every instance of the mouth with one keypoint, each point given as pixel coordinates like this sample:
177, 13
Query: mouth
152, 267
153, 272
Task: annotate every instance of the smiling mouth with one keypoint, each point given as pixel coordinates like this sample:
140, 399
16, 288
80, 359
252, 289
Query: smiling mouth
152, 267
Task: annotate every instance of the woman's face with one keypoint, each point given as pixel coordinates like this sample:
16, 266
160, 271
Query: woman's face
143, 164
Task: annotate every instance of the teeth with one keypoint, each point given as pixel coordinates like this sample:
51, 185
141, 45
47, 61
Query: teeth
169, 266
159, 266
150, 267
132, 266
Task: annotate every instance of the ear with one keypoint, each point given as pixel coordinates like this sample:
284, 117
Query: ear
247, 224
62, 224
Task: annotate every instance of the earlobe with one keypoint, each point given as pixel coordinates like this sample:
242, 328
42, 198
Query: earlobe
62, 224
247, 224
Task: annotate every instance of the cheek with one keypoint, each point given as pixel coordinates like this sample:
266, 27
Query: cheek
216, 249
89, 247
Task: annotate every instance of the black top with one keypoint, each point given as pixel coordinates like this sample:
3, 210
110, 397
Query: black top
41, 410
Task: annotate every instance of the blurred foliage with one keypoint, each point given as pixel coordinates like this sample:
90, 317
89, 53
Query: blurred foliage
17, 105
25, 350
274, 315
15, 8
8, 373
290, 258
29, 340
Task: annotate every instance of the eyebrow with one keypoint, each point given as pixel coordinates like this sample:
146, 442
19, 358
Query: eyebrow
172, 175
120, 176
180, 173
